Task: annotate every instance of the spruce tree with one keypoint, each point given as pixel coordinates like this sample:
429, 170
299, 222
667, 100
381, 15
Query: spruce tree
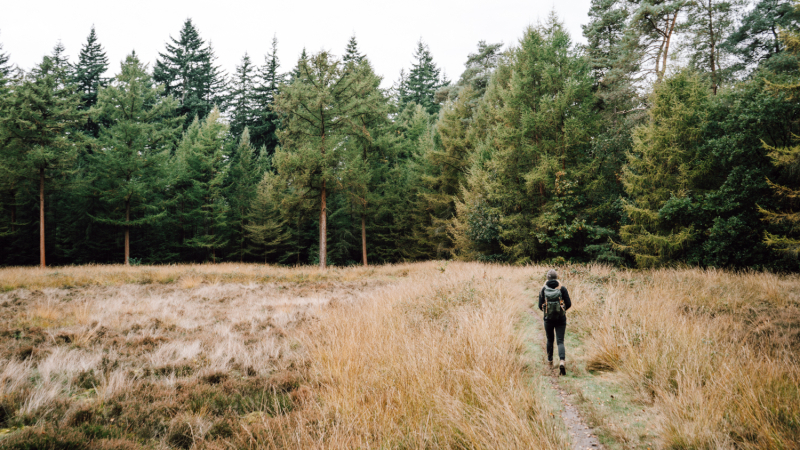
88, 72
133, 149
187, 71
243, 97
38, 119
199, 174
88, 77
267, 122
423, 80
266, 227
351, 53
5, 66
243, 178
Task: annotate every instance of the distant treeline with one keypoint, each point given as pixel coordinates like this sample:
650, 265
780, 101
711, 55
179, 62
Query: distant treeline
670, 138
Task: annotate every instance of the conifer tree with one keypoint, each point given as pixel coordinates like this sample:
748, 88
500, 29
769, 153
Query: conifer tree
5, 66
88, 77
266, 227
322, 107
262, 132
36, 118
709, 23
188, 72
665, 170
787, 158
243, 179
200, 169
533, 131
243, 97
133, 149
88, 72
351, 53
423, 80
757, 37
650, 34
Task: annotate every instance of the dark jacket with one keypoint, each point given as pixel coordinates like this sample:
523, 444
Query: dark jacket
564, 296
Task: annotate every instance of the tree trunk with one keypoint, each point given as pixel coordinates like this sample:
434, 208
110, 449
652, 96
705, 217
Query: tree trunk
41, 217
364, 238
323, 229
670, 29
127, 232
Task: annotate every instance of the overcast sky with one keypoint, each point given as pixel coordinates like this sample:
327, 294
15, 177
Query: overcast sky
387, 32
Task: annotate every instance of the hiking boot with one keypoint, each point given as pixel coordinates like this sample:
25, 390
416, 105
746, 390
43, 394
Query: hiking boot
561, 368
550, 363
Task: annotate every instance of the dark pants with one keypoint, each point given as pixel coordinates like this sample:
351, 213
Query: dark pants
559, 329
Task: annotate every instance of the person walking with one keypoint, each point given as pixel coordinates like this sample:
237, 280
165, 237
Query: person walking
554, 302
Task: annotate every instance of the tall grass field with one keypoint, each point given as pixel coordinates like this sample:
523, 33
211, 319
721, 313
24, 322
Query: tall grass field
424, 355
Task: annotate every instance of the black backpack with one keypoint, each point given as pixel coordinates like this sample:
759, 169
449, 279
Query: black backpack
553, 303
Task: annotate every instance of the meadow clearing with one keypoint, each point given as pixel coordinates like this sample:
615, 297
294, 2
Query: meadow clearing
423, 355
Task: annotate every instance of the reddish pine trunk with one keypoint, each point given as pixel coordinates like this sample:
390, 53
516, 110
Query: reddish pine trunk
323, 229
364, 239
41, 217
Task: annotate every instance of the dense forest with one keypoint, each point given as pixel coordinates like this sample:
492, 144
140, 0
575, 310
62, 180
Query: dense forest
671, 137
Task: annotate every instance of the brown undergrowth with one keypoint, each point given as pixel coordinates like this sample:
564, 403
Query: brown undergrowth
421, 355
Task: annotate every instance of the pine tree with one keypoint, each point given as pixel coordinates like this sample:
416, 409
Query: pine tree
322, 108
200, 170
133, 149
187, 71
709, 23
757, 38
423, 80
36, 119
243, 101
650, 34
262, 132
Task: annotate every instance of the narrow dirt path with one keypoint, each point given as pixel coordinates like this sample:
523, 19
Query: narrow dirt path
582, 435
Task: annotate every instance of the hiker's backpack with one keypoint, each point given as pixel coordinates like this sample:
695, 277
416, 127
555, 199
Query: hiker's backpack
553, 303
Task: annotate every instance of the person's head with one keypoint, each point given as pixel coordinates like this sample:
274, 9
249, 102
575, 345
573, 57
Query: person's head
552, 275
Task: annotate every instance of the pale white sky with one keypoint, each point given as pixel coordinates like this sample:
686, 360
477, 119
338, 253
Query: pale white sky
387, 32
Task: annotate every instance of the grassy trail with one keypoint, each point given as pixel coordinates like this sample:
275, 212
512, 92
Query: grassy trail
596, 408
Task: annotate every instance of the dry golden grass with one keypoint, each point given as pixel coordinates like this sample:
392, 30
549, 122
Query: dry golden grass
401, 356
215, 357
186, 275
715, 352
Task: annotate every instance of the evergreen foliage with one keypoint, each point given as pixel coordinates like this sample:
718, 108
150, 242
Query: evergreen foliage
36, 118
757, 37
132, 152
188, 72
423, 80
616, 151
243, 97
263, 130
